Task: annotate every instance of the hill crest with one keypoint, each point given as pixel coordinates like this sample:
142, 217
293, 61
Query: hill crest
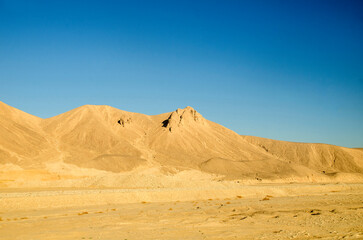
102, 138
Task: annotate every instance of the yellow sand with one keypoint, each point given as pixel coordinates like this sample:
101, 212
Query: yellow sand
293, 211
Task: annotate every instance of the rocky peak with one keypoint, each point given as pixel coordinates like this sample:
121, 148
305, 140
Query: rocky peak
182, 117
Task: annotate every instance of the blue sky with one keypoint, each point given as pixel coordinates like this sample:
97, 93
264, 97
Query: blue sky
288, 70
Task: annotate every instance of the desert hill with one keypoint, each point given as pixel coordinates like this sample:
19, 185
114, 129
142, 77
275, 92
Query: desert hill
21, 137
104, 141
321, 157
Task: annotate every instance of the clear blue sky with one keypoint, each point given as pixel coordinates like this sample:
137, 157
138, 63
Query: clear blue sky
288, 70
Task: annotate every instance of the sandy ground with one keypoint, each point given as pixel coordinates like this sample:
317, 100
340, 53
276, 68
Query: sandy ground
290, 211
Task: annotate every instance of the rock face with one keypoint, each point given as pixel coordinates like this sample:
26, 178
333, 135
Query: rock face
115, 141
124, 121
182, 117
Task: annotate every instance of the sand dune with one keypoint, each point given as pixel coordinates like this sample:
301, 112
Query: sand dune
105, 146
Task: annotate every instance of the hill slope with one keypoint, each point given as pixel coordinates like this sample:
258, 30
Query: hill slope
322, 157
122, 146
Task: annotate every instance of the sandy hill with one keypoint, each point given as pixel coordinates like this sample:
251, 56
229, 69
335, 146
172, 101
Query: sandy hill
91, 141
321, 157
21, 137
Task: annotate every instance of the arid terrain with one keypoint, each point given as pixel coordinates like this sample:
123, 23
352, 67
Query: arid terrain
97, 172
293, 211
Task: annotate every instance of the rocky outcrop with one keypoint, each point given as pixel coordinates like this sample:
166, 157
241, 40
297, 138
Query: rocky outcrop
182, 117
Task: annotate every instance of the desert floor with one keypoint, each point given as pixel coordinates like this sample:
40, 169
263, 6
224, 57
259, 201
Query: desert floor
284, 211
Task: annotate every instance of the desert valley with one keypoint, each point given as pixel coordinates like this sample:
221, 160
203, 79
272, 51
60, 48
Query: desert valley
97, 172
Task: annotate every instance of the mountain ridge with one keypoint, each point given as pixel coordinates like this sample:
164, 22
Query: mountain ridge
110, 140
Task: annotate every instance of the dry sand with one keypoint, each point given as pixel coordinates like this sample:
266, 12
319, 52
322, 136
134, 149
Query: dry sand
293, 211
